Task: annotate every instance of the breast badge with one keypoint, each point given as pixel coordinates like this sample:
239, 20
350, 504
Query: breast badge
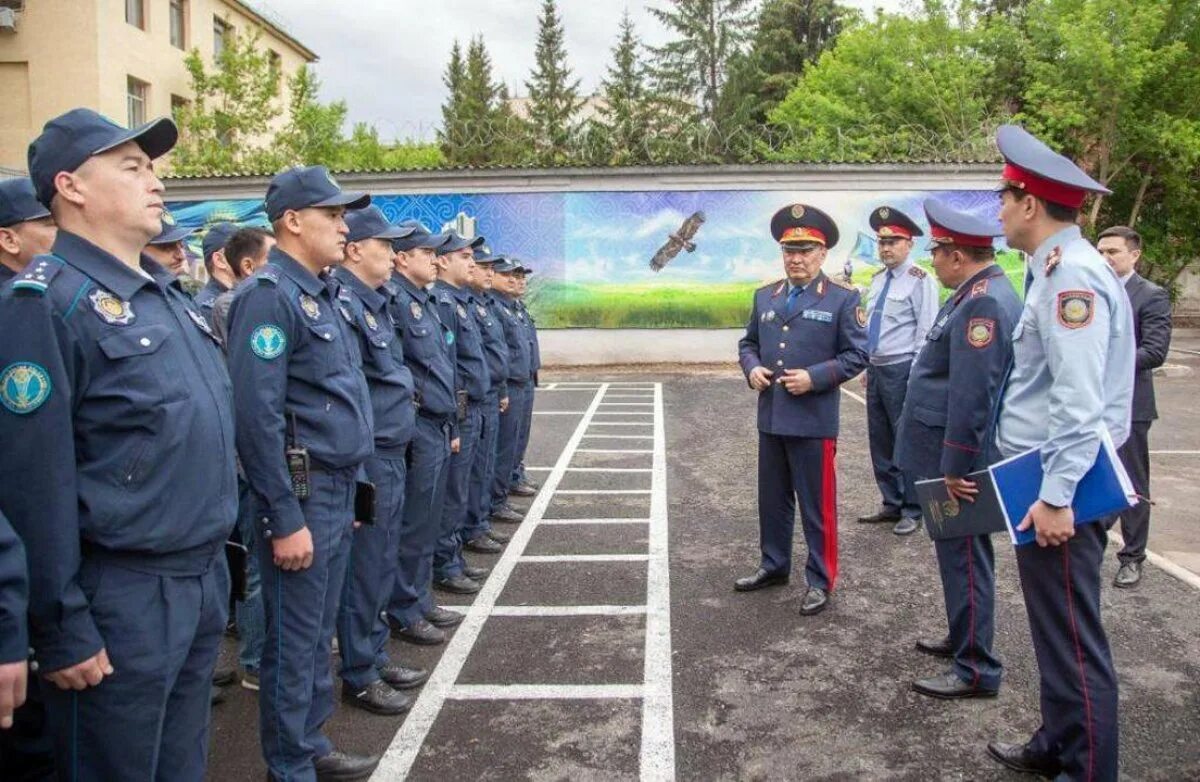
110, 308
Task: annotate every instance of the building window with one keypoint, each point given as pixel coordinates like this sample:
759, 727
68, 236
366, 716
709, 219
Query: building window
221, 32
276, 63
178, 104
135, 99
135, 13
179, 24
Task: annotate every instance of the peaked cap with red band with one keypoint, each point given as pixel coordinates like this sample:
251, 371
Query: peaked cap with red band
802, 224
1032, 166
948, 225
890, 223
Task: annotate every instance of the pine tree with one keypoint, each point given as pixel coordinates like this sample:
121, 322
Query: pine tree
553, 96
708, 33
452, 136
627, 112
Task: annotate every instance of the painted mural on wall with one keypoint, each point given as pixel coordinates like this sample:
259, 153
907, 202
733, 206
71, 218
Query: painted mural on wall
661, 259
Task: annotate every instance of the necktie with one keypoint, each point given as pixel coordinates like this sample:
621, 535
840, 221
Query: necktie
877, 315
793, 296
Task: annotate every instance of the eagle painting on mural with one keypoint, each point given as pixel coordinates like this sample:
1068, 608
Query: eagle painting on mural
681, 240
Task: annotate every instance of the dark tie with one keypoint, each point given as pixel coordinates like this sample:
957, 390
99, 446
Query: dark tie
876, 324
793, 297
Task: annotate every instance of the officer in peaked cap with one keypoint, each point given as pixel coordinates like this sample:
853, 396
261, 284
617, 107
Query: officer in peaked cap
803, 340
901, 302
116, 379
520, 396
965, 356
1072, 378
167, 248
221, 275
26, 227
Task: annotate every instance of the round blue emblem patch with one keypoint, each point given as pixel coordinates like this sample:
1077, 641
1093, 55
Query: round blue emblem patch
24, 387
268, 341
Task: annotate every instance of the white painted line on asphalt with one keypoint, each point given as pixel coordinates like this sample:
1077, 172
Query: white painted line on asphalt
612, 450
581, 522
398, 760
606, 469
622, 423
1163, 453
558, 412
619, 436
568, 610
548, 387
628, 404
542, 558
854, 396
624, 412
539, 469
602, 491
542, 692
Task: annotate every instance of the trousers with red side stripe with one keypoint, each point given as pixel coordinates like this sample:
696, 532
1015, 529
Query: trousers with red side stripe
799, 470
1061, 586
968, 569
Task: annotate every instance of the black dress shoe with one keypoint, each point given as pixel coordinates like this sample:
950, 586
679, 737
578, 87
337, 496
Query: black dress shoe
457, 585
759, 580
531, 484
880, 516
506, 515
1019, 757
421, 633
216, 695
907, 525
400, 678
1128, 575
483, 545
340, 766
948, 686
499, 537
378, 698
443, 617
223, 677
476, 573
942, 648
522, 490
814, 601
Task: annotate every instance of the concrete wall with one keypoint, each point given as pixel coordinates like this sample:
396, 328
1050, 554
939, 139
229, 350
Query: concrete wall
584, 347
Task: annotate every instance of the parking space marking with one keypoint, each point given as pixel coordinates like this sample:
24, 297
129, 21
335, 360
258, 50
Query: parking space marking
558, 412
543, 692
603, 491
628, 404
1175, 453
607, 469
568, 610
854, 396
613, 450
622, 423
581, 522
619, 437
543, 558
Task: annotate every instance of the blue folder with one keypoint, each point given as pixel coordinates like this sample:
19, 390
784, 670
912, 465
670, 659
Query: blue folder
1104, 490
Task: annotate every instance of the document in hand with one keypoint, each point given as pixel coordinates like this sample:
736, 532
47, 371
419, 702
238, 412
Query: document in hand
1104, 490
949, 517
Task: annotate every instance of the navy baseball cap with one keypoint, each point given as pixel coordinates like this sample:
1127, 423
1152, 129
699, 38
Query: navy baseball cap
420, 237
304, 187
19, 203
458, 242
68, 140
217, 237
171, 232
370, 223
484, 254
506, 265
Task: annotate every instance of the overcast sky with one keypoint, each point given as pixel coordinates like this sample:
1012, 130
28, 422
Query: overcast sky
385, 58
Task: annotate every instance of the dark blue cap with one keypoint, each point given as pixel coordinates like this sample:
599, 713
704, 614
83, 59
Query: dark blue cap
304, 187
506, 265
171, 232
801, 225
370, 223
888, 222
948, 225
217, 237
68, 140
458, 242
420, 237
484, 254
1033, 167
18, 202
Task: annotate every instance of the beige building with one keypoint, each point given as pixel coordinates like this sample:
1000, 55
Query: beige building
123, 58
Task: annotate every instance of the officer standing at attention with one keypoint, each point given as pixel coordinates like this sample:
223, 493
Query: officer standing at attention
14, 637
508, 441
370, 680
221, 275
1072, 377
804, 339
429, 353
167, 250
946, 432
456, 265
304, 431
26, 227
1122, 248
901, 303
115, 383
245, 252
521, 485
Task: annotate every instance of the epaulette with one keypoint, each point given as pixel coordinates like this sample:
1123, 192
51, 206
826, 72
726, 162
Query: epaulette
268, 274
843, 283
979, 289
918, 272
38, 274
778, 285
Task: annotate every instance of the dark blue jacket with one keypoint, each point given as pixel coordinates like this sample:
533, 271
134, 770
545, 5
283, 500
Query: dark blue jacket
535, 350
945, 427
823, 334
495, 347
297, 375
471, 370
206, 296
517, 337
14, 596
117, 418
388, 377
428, 349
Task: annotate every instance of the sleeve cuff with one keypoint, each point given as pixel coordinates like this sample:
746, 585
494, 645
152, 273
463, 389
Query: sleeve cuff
1057, 490
821, 375
14, 646
281, 520
75, 641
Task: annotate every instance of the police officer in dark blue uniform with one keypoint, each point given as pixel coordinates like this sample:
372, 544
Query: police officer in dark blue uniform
167, 249
507, 288
304, 431
521, 485
429, 352
14, 637
455, 302
114, 382
26, 227
946, 431
221, 275
370, 680
804, 339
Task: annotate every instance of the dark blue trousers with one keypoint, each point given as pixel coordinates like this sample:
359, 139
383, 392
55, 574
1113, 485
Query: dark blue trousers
27, 748
483, 471
508, 441
518, 472
1135, 522
149, 720
886, 389
1061, 586
296, 695
803, 469
425, 492
447, 560
371, 576
968, 569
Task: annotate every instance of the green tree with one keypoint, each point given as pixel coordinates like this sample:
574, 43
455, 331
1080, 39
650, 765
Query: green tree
709, 33
628, 112
313, 133
453, 135
553, 95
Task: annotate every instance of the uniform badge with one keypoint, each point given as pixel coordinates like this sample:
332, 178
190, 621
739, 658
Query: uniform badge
482, 310
168, 218
416, 310
268, 341
1053, 260
981, 332
798, 211
200, 322
769, 316
462, 312
860, 315
372, 324
24, 387
310, 306
819, 316
1076, 308
821, 288
110, 308
346, 314
884, 213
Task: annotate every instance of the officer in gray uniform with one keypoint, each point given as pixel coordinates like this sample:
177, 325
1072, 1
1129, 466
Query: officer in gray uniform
1072, 379
901, 304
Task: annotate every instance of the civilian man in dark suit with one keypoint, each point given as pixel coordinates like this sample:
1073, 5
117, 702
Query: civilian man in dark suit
1122, 247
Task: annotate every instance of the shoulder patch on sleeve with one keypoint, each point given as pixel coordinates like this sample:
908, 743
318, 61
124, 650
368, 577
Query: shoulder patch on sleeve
918, 272
981, 332
24, 387
1076, 308
38, 274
